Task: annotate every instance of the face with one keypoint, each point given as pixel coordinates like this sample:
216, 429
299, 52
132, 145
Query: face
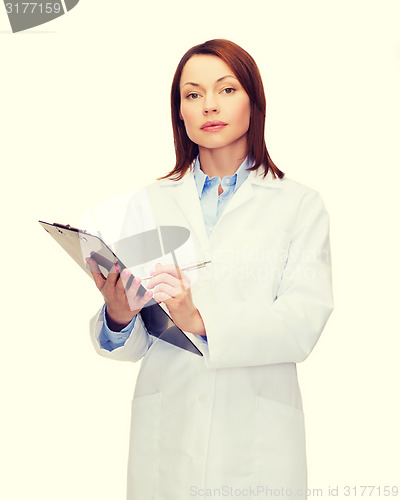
214, 106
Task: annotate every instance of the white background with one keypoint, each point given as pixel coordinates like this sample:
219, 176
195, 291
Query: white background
85, 116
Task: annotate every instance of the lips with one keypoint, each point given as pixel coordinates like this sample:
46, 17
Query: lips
213, 126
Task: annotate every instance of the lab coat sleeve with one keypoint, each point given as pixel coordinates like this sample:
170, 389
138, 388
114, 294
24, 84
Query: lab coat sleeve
255, 332
109, 339
135, 347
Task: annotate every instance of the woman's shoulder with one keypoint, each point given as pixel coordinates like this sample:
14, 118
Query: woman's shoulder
170, 181
299, 187
289, 185
305, 198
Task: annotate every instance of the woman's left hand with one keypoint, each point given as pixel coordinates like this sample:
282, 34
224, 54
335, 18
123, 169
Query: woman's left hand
171, 286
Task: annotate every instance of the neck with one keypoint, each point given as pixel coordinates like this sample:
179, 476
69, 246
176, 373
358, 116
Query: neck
222, 161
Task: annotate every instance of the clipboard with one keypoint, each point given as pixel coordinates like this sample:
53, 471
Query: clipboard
79, 245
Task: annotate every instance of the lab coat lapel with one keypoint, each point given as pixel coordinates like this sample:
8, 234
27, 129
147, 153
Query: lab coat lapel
187, 199
242, 195
246, 191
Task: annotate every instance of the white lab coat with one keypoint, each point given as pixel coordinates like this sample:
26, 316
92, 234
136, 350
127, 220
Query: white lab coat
231, 423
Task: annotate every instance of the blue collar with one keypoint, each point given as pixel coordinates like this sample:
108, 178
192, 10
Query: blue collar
237, 178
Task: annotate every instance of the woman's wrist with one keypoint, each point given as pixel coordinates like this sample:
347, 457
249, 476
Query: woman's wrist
197, 324
117, 323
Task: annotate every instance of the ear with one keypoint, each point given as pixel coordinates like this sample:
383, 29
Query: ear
180, 115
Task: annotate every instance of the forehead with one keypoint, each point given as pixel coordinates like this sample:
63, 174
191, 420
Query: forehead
204, 69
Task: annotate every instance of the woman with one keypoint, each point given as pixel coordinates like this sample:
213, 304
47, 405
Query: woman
230, 422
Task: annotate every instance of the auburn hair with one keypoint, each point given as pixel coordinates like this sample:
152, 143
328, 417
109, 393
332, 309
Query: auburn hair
246, 71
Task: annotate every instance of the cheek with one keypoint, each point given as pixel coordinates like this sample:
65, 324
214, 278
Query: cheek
244, 114
240, 113
188, 116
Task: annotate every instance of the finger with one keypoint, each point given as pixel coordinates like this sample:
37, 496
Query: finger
146, 298
127, 285
163, 278
167, 268
112, 277
171, 291
161, 297
135, 301
173, 271
122, 284
98, 276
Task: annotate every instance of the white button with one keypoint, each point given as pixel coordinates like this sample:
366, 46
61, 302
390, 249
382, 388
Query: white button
124, 338
228, 181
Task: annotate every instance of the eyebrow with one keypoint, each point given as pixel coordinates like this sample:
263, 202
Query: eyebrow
217, 81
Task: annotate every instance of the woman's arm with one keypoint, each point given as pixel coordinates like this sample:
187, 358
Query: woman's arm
135, 346
255, 332
122, 304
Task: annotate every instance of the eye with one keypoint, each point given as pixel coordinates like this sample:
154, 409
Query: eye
192, 96
229, 90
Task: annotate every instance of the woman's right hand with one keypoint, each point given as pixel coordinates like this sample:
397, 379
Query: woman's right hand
122, 304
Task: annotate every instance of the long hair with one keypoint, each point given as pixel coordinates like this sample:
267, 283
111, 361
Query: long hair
246, 71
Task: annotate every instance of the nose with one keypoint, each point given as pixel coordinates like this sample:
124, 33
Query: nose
210, 105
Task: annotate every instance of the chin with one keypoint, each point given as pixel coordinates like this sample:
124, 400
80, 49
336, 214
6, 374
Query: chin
219, 143
215, 142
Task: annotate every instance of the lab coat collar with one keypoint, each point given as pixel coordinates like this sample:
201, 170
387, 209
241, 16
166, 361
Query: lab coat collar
185, 194
255, 177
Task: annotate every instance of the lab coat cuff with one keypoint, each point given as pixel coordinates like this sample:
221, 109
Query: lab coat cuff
117, 338
134, 347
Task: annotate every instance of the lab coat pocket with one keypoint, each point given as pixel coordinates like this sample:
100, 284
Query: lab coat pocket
279, 451
143, 462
